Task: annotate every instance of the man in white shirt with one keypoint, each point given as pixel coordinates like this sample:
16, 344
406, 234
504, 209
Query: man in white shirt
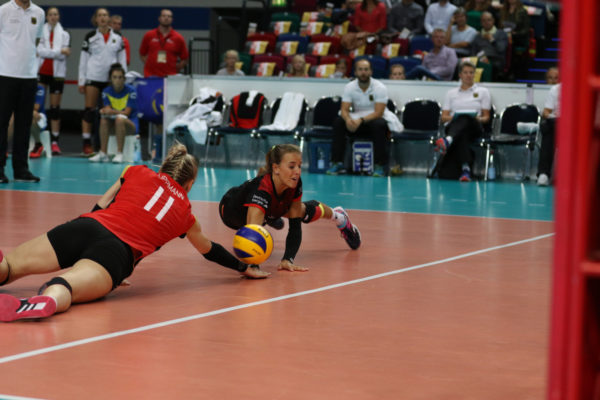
21, 27
438, 15
548, 128
368, 98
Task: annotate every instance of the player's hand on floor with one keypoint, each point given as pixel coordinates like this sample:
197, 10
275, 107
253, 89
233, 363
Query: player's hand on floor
253, 271
288, 266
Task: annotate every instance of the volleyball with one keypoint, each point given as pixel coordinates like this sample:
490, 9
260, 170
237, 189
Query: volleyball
252, 244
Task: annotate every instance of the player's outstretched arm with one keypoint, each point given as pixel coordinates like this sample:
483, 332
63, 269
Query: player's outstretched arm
216, 253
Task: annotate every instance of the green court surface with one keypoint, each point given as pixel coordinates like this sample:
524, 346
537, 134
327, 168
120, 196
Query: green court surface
412, 194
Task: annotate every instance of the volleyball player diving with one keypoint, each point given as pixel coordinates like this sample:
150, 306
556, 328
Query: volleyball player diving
142, 211
277, 192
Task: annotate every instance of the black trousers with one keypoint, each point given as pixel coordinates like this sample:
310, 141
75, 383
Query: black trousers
17, 96
375, 130
464, 131
548, 129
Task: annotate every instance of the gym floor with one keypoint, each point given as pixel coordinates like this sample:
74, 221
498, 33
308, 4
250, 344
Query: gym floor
447, 298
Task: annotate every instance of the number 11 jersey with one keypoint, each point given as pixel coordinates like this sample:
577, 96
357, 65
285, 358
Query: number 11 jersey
149, 210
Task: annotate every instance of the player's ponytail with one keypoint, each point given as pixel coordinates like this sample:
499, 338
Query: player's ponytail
275, 155
179, 164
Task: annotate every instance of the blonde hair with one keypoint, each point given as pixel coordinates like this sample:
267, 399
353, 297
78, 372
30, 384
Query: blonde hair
275, 155
94, 23
180, 165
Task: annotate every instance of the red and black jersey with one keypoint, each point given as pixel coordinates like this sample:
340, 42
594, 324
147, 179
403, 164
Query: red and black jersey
149, 210
258, 192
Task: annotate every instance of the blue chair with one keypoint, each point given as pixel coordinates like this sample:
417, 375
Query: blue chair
293, 37
379, 65
408, 62
420, 42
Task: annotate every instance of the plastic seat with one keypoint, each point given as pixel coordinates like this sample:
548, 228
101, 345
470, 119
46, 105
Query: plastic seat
407, 62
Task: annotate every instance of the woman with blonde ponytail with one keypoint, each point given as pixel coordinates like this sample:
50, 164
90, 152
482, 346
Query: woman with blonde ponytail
140, 212
277, 192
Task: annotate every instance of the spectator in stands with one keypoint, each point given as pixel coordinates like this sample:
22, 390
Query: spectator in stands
341, 69
490, 45
438, 64
231, 59
368, 98
52, 51
163, 50
475, 8
119, 114
548, 129
406, 14
465, 109
101, 48
438, 15
116, 23
515, 21
459, 35
297, 67
370, 17
397, 72
552, 76
20, 31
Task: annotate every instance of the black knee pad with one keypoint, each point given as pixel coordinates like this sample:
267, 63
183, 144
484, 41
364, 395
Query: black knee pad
55, 281
311, 209
89, 114
53, 113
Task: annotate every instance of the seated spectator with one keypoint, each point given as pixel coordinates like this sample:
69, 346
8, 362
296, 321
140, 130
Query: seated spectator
548, 129
370, 16
459, 35
515, 21
490, 45
397, 72
438, 64
465, 109
406, 14
552, 76
298, 67
368, 98
438, 15
231, 58
341, 69
475, 8
119, 114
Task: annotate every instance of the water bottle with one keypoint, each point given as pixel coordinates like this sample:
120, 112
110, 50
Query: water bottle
137, 151
492, 168
320, 159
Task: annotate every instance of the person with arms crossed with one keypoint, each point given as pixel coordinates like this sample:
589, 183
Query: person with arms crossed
53, 50
21, 27
101, 48
277, 192
137, 215
550, 115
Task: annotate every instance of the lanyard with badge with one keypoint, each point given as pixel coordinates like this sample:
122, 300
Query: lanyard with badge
161, 56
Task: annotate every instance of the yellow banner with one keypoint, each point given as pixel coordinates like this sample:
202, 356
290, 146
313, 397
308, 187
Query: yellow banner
265, 69
310, 16
360, 51
325, 70
282, 27
258, 47
321, 48
314, 28
341, 29
390, 50
289, 48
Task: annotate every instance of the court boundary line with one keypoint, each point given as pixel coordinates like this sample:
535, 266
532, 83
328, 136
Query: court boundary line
80, 342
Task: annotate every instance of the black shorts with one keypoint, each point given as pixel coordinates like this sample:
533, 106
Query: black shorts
87, 238
231, 213
56, 85
100, 85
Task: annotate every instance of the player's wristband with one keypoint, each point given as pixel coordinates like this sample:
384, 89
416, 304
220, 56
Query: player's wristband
293, 239
222, 257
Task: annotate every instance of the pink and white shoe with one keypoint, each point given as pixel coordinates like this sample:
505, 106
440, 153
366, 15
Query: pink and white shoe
349, 232
12, 308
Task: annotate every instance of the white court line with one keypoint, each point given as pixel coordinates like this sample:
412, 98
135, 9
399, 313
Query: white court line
81, 342
10, 397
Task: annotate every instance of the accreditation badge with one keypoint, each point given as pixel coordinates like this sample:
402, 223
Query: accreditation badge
476, 95
33, 20
161, 57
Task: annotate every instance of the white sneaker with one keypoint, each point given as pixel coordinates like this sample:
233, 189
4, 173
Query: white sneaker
543, 180
118, 159
100, 157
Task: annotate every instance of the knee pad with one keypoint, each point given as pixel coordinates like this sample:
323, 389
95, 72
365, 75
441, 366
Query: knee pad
314, 211
89, 114
53, 113
55, 281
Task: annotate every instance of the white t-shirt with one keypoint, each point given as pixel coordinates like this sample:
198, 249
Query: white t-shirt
438, 16
553, 101
363, 103
475, 98
19, 30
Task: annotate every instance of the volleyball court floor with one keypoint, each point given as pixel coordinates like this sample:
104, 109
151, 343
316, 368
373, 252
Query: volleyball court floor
447, 298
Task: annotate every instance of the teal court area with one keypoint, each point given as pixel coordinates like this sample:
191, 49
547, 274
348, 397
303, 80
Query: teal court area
406, 193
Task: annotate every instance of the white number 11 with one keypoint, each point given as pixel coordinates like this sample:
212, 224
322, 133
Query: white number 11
153, 201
